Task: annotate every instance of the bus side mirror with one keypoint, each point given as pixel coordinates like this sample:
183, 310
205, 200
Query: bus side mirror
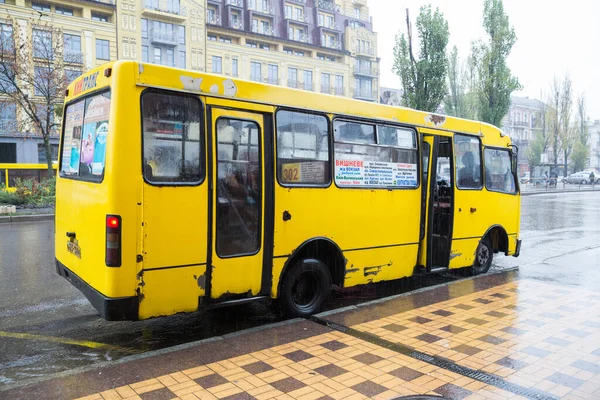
514, 161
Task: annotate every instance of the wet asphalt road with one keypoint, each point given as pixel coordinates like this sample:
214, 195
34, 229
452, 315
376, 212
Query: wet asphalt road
47, 326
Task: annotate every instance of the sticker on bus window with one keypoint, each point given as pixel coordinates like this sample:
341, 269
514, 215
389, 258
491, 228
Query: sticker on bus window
95, 131
72, 138
303, 172
375, 173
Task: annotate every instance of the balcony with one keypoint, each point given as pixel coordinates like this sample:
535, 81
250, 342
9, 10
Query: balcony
303, 2
300, 38
272, 80
255, 78
303, 19
263, 7
73, 57
524, 124
366, 71
331, 27
308, 86
168, 38
235, 3
363, 94
332, 45
236, 24
8, 125
263, 30
339, 91
212, 19
152, 8
328, 6
294, 84
370, 52
326, 89
359, 3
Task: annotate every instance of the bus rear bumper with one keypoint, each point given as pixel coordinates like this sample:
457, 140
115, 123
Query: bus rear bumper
111, 309
518, 249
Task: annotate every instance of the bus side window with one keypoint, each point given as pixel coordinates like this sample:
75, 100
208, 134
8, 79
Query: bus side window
172, 137
468, 162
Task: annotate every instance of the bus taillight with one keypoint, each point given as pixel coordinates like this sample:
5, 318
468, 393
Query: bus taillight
113, 241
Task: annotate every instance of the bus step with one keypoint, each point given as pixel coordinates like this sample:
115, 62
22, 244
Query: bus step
438, 269
237, 301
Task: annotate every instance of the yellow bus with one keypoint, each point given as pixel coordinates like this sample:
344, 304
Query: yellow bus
179, 190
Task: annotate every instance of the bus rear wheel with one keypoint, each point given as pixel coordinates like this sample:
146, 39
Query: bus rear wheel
305, 288
483, 257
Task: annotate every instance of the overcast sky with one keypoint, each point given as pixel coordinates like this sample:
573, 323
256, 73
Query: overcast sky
553, 38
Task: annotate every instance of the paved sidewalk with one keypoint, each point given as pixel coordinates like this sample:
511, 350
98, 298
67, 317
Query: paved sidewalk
492, 337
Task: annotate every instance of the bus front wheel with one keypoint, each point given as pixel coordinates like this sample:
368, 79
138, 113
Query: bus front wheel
305, 288
483, 257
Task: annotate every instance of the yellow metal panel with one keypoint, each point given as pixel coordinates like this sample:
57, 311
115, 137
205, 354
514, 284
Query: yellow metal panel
173, 290
377, 265
463, 253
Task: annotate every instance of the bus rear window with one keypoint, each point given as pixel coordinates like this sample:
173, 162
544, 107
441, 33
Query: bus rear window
84, 138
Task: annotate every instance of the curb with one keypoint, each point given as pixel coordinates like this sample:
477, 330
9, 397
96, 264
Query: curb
559, 191
26, 218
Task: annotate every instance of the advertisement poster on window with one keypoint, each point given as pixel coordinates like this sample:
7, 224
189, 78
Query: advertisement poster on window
375, 174
303, 172
95, 131
72, 138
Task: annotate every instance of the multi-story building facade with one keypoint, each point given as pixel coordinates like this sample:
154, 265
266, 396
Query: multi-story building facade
326, 46
85, 33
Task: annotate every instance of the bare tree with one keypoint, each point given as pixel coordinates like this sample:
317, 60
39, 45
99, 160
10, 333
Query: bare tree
32, 76
554, 125
568, 132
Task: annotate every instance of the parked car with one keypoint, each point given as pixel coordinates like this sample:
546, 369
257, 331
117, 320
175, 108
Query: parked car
525, 178
580, 178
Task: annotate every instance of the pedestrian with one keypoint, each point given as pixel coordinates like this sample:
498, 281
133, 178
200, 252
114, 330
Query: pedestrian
592, 178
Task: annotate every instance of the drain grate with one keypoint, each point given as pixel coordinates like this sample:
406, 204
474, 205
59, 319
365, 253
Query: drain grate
441, 362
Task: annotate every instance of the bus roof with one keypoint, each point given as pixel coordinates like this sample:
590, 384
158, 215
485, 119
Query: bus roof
213, 85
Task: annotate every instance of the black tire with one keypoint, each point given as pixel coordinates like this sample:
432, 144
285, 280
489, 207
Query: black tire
584, 182
483, 257
305, 287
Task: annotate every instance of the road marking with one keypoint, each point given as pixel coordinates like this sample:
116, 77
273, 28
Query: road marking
74, 342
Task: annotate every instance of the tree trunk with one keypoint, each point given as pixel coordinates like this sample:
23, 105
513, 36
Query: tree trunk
48, 150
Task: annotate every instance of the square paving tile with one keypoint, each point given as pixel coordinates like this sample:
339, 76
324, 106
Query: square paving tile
534, 351
568, 309
426, 337
596, 353
565, 380
466, 349
476, 321
453, 392
496, 314
330, 370
394, 328
160, 394
512, 363
367, 358
514, 331
334, 345
288, 385
298, 355
532, 322
464, 306
557, 341
491, 339
405, 373
257, 367
369, 389
239, 396
326, 398
576, 332
420, 320
587, 366
452, 329
209, 381
591, 324
482, 301
443, 313
500, 295
551, 315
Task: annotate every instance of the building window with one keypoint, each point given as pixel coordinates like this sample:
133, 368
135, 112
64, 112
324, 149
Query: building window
308, 80
43, 81
251, 44
6, 37
72, 51
42, 153
293, 77
299, 53
99, 17
102, 49
224, 39
212, 37
64, 10
264, 46
234, 67
288, 51
339, 84
182, 59
255, 71
357, 13
40, 6
170, 58
157, 56
325, 83
71, 75
181, 34
42, 44
217, 64
8, 117
288, 11
144, 28
144, 53
273, 74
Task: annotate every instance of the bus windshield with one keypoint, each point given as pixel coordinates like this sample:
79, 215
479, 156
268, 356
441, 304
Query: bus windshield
84, 138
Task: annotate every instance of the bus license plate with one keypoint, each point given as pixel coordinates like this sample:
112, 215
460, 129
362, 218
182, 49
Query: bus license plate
74, 249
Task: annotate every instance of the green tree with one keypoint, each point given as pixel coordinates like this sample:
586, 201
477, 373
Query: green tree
423, 79
496, 82
534, 151
581, 151
455, 100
